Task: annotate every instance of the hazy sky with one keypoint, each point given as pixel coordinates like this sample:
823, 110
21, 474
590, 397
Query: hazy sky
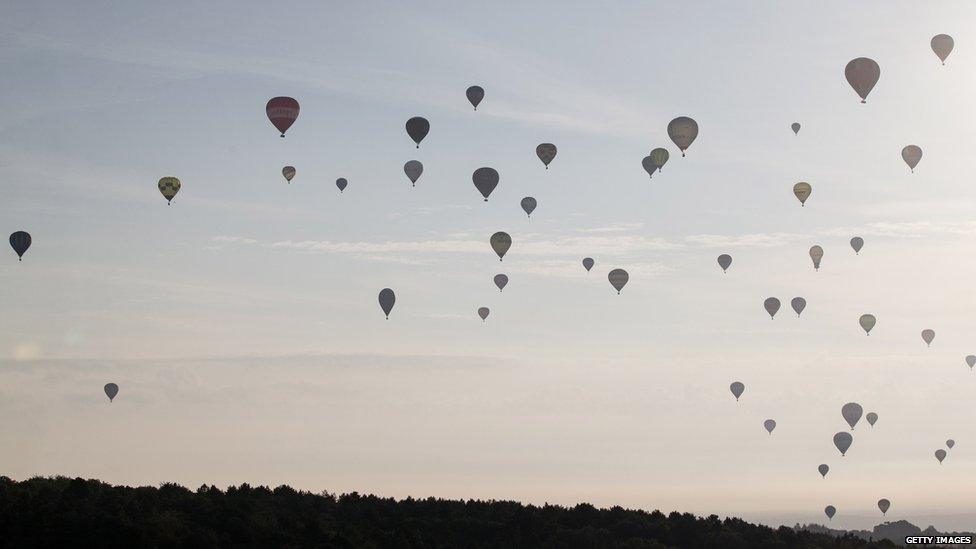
242, 326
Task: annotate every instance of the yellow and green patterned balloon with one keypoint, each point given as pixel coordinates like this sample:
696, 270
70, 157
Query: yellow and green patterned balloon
169, 186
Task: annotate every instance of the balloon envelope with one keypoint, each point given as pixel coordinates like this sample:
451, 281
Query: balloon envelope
802, 191
857, 243
796, 127
725, 261
413, 169
588, 264
683, 131
20, 241
417, 128
771, 305
867, 323
830, 511
648, 165
851, 413
884, 505
872, 418
111, 390
282, 112
942, 46
288, 172
546, 153
769, 424
971, 360
500, 242
911, 154
737, 388
387, 299
483, 312
528, 205
842, 441
501, 281
475, 95
823, 468
341, 183
169, 186
659, 157
798, 304
485, 180
940, 454
816, 254
618, 279
928, 336
950, 443
862, 74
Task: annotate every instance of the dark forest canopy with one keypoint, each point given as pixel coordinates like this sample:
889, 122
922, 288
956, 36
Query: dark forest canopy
64, 512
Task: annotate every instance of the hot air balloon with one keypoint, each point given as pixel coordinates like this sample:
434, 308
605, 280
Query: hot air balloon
501, 281
725, 261
417, 128
872, 418
546, 153
500, 242
942, 46
413, 169
528, 205
802, 191
683, 131
842, 441
659, 157
816, 254
950, 443
111, 390
823, 468
862, 74
851, 412
341, 183
940, 455
169, 186
485, 180
769, 424
588, 264
798, 304
928, 336
387, 299
830, 511
483, 313
618, 279
288, 172
971, 361
911, 154
648, 165
475, 95
884, 505
795, 127
867, 322
737, 388
282, 111
20, 241
857, 243
771, 305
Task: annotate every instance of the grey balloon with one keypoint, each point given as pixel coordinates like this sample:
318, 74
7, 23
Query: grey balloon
528, 205
971, 361
341, 183
588, 263
942, 46
872, 418
823, 468
940, 454
417, 128
725, 261
483, 313
769, 425
856, 244
649, 166
546, 153
950, 443
830, 511
111, 390
816, 254
912, 155
618, 279
884, 505
387, 299
798, 304
737, 388
501, 281
842, 441
851, 413
683, 131
485, 180
475, 95
928, 336
862, 74
413, 169
795, 127
500, 242
867, 323
771, 305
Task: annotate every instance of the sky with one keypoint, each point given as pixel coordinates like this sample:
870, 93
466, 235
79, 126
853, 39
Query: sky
242, 325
